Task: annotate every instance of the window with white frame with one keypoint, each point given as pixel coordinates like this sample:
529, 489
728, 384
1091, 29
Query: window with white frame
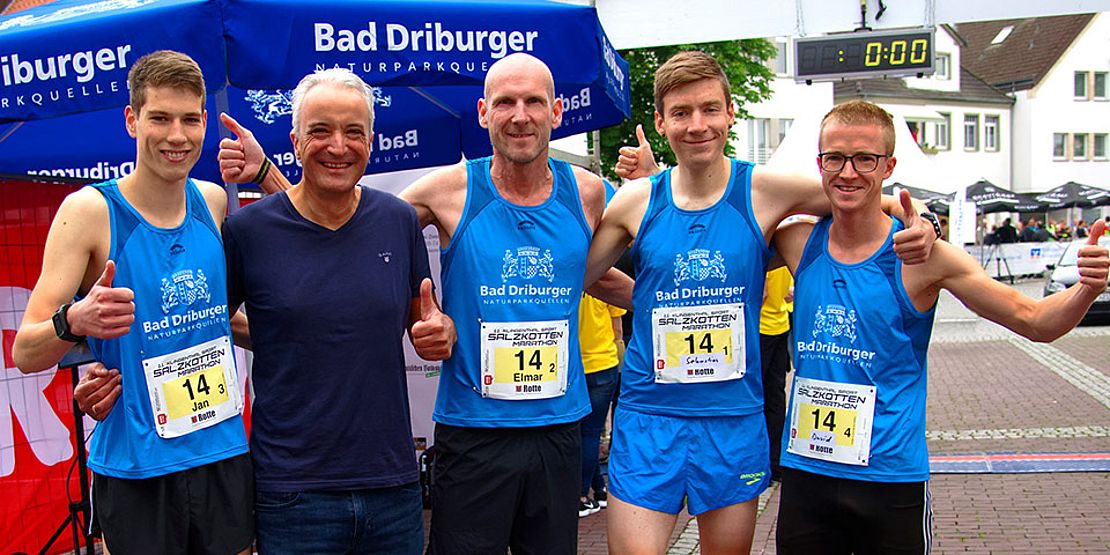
971, 131
944, 59
990, 133
942, 131
1081, 85
1098, 146
1079, 146
777, 64
1099, 86
1059, 146
759, 135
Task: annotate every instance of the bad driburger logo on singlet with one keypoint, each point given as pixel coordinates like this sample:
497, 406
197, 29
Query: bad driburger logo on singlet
524, 273
836, 324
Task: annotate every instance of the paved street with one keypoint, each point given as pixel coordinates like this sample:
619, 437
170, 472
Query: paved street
991, 391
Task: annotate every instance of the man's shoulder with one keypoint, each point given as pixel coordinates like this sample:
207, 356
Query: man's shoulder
86, 202
586, 178
454, 175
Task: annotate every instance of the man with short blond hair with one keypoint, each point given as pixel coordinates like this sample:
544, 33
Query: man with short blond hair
855, 472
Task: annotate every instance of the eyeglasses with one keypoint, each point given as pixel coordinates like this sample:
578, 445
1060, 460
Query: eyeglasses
864, 162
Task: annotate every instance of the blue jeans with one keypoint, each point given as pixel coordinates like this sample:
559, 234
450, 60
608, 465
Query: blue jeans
600, 385
385, 520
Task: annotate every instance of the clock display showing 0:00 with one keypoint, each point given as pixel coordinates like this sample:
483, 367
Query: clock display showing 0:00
865, 53
895, 52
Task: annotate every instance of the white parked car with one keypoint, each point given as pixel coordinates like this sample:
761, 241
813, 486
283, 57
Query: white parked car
1065, 273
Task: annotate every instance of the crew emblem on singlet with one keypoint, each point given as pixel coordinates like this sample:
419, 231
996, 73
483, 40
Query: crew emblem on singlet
698, 265
528, 264
836, 321
184, 288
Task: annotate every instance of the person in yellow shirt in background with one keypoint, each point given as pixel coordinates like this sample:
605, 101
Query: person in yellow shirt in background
599, 332
774, 342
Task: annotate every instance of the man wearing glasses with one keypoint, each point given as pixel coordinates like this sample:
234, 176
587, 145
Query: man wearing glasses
855, 463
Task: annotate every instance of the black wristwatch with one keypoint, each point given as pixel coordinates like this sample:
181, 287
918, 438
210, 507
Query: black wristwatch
61, 325
933, 220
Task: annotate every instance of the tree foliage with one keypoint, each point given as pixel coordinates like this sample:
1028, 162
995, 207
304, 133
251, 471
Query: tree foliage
744, 62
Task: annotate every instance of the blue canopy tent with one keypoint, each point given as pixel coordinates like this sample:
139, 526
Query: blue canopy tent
64, 66
95, 145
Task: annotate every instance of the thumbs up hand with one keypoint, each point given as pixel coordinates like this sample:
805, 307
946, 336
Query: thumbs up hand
240, 158
1093, 262
106, 312
638, 161
433, 334
914, 243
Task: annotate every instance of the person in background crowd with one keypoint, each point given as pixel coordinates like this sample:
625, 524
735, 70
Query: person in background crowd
1029, 232
774, 334
1006, 233
599, 331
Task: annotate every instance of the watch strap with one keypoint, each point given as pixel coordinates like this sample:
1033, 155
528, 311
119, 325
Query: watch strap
932, 218
61, 325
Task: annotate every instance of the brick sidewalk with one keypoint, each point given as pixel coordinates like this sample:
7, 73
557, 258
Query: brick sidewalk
993, 395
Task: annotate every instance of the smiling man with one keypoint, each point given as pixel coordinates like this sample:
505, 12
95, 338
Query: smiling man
332, 274
515, 230
855, 463
143, 254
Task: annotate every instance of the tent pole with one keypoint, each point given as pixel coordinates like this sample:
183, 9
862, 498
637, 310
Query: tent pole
231, 188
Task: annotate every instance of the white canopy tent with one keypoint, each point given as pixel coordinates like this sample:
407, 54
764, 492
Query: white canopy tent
641, 23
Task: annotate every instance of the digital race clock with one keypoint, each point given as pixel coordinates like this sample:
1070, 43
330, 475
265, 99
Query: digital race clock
864, 54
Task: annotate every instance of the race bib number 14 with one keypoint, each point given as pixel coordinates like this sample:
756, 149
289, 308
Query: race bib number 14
698, 344
524, 360
832, 421
193, 388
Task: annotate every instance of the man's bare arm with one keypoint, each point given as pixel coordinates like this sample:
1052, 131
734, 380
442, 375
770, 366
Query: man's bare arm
790, 242
591, 193
1039, 320
439, 198
777, 195
77, 239
613, 287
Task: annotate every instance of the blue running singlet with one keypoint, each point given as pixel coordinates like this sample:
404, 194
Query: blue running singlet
699, 287
857, 409
178, 376
512, 278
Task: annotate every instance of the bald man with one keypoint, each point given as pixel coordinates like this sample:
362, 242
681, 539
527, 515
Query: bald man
514, 230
